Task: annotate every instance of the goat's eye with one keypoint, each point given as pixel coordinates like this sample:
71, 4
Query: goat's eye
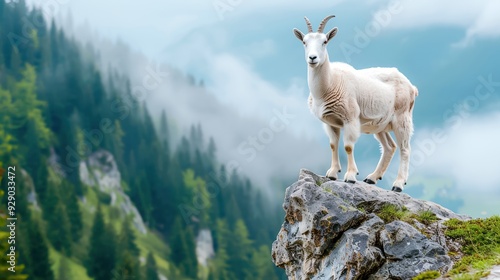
324, 43
304, 43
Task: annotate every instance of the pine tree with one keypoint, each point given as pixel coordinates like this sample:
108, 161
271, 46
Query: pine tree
164, 131
190, 265
199, 163
73, 210
126, 239
98, 230
240, 250
58, 229
40, 177
6, 137
196, 187
101, 258
183, 154
39, 252
15, 61
114, 143
183, 249
27, 107
200, 141
211, 274
223, 174
233, 209
261, 264
64, 272
211, 155
220, 268
126, 268
54, 45
151, 272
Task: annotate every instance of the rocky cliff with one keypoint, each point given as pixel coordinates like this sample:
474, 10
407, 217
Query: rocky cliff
100, 170
336, 230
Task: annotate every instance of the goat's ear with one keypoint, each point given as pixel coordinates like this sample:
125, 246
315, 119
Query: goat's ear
298, 34
331, 34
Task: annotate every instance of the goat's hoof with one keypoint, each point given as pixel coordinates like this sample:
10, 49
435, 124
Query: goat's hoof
332, 178
350, 181
396, 189
369, 181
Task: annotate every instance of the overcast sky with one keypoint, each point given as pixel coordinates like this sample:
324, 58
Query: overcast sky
149, 25
248, 58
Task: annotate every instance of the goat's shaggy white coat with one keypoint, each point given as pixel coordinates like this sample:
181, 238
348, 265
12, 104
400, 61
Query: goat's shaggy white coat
373, 100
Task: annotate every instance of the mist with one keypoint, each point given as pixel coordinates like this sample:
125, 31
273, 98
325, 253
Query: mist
263, 131
465, 150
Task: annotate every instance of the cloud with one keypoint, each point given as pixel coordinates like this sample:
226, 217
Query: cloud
231, 76
479, 19
149, 25
467, 153
486, 25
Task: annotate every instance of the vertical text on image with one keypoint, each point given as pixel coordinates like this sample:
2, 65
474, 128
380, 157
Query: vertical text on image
12, 219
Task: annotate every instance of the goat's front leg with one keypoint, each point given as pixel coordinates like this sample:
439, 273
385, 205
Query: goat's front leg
351, 135
334, 135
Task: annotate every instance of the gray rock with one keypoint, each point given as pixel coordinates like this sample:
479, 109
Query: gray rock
332, 231
315, 220
32, 196
100, 170
355, 252
494, 274
204, 247
409, 252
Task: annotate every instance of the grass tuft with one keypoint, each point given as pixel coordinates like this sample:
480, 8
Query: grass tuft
426, 217
391, 212
480, 240
427, 275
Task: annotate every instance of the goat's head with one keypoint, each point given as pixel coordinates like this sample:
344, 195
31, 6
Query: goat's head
315, 42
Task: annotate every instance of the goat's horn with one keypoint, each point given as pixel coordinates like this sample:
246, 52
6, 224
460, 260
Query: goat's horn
323, 23
309, 25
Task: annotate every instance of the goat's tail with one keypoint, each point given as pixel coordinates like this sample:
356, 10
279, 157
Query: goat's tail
413, 96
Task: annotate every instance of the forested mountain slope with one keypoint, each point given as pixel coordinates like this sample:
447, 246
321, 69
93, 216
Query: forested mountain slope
66, 128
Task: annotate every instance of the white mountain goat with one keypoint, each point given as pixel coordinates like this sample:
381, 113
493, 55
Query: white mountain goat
373, 100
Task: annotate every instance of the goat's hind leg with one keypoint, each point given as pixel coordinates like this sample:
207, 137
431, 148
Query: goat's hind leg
388, 149
403, 131
334, 135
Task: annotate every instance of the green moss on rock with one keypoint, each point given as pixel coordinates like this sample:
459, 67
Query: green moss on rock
427, 275
480, 240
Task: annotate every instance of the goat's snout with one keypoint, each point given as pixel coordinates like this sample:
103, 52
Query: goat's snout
313, 60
